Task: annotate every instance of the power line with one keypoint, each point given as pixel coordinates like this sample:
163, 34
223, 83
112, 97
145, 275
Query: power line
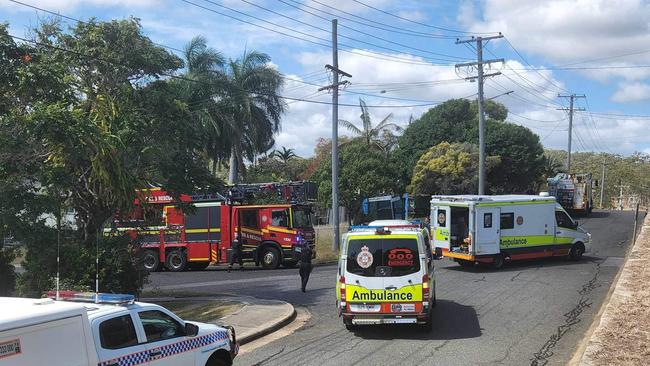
81, 21
352, 51
350, 38
381, 26
413, 21
531, 66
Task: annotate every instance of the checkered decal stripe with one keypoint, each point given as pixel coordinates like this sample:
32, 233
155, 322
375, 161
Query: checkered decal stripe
168, 350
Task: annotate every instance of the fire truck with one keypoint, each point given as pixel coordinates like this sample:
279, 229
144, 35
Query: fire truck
200, 229
573, 191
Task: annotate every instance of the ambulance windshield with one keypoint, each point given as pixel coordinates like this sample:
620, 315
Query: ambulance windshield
383, 257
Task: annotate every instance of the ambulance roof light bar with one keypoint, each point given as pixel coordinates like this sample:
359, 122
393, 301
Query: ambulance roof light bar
91, 297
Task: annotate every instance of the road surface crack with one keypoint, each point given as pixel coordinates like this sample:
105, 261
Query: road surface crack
572, 318
269, 358
515, 276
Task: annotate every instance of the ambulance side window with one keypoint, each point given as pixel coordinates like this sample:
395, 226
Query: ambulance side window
117, 333
442, 218
563, 220
507, 220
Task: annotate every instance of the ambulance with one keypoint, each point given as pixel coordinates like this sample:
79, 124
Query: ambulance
386, 276
473, 229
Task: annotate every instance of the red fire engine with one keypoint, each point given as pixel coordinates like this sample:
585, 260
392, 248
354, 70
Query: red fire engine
203, 233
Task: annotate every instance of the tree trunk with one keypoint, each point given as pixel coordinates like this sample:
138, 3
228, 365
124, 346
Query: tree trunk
234, 164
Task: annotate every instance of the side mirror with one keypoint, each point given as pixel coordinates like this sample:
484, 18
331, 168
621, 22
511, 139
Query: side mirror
576, 223
191, 330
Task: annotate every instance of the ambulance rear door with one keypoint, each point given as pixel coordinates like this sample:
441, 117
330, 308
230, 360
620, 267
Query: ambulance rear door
487, 226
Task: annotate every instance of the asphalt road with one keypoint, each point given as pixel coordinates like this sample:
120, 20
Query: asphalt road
528, 313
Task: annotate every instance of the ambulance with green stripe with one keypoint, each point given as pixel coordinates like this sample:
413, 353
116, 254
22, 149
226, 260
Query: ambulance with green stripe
494, 229
385, 276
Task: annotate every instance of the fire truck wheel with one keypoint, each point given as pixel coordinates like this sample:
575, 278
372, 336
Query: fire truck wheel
151, 261
289, 264
466, 264
270, 258
176, 261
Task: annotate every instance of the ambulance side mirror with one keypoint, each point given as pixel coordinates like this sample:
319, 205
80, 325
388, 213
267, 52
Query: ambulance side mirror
576, 224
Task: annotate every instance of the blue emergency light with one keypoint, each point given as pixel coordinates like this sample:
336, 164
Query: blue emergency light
91, 297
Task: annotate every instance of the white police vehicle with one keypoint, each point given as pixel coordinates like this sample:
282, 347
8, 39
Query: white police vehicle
106, 330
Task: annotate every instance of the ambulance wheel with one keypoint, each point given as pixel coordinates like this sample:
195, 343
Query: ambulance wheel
151, 261
348, 325
577, 250
498, 261
466, 264
176, 261
289, 264
270, 258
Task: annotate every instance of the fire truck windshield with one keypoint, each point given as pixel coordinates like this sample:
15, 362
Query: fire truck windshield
301, 217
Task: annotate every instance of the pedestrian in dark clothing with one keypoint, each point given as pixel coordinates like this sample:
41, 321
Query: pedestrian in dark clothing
236, 255
305, 265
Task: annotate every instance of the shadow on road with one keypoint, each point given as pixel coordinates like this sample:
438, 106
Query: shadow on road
520, 265
451, 320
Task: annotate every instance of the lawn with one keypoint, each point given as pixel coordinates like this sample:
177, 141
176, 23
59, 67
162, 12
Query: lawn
205, 311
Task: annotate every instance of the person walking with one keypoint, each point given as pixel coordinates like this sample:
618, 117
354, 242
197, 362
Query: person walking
305, 265
236, 255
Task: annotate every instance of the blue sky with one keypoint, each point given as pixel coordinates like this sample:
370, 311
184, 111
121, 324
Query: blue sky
406, 66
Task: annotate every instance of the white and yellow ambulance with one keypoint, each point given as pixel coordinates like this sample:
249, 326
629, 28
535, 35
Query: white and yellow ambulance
385, 276
494, 229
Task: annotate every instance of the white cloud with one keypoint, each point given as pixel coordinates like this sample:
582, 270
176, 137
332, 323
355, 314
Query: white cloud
566, 31
414, 15
632, 92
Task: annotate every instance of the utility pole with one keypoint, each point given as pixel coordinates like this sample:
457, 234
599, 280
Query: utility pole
620, 196
481, 115
602, 185
334, 68
571, 110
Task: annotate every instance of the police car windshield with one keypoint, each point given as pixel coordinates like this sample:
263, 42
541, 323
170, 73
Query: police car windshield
385, 257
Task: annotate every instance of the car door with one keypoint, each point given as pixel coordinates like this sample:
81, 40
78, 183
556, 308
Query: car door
166, 342
117, 341
487, 224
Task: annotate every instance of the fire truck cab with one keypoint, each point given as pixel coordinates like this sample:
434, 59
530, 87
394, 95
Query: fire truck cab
201, 229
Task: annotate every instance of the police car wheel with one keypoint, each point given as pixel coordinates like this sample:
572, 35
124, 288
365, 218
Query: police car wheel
176, 261
150, 261
270, 258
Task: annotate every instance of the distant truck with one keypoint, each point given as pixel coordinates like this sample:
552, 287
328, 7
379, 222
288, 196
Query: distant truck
106, 330
404, 207
574, 192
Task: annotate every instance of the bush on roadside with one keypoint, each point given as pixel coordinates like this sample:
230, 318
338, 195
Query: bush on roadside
119, 267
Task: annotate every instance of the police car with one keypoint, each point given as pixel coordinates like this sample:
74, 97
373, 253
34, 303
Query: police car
107, 330
386, 276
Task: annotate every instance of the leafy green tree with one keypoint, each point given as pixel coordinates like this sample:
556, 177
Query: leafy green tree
364, 172
87, 123
269, 169
370, 134
456, 121
448, 169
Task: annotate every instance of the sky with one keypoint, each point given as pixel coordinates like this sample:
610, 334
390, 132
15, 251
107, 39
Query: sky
402, 55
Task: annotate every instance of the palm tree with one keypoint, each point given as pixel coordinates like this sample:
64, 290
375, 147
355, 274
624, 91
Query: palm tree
370, 134
284, 155
205, 82
251, 106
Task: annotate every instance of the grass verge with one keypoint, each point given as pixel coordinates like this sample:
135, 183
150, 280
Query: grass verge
324, 238
206, 311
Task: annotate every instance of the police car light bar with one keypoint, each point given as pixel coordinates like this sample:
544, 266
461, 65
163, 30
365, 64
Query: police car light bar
99, 298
